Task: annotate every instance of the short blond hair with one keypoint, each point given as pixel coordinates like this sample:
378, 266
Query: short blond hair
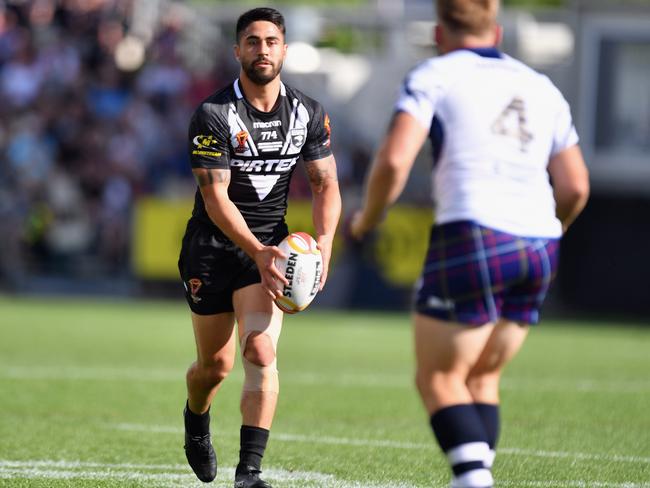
473, 17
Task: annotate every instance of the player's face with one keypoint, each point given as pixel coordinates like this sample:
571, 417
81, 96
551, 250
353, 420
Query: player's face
261, 51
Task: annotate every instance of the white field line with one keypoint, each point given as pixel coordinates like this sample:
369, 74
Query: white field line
400, 445
351, 380
574, 455
89, 373
176, 476
127, 472
60, 464
571, 484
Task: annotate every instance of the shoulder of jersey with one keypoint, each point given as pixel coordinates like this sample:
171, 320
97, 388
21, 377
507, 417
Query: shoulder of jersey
456, 61
223, 96
441, 66
541, 80
305, 99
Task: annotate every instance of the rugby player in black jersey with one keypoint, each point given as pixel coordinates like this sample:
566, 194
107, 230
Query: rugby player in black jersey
244, 142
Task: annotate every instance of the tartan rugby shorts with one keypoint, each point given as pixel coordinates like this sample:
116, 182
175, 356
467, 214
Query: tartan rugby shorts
475, 275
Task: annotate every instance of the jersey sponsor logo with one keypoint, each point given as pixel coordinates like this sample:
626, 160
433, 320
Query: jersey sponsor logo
264, 165
204, 146
204, 142
266, 125
241, 137
298, 137
197, 152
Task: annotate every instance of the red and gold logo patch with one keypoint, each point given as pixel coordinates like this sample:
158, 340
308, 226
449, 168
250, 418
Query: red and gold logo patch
242, 137
195, 286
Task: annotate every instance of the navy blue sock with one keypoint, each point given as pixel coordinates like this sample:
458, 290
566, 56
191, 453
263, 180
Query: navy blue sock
489, 414
461, 435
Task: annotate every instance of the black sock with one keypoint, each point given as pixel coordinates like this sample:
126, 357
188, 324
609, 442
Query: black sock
196, 424
489, 414
253, 443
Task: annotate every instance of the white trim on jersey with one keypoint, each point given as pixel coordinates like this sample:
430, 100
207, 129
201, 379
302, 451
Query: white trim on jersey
269, 146
297, 131
234, 121
292, 121
240, 95
263, 184
235, 87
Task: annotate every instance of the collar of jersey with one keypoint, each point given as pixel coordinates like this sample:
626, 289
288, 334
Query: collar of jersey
485, 52
240, 95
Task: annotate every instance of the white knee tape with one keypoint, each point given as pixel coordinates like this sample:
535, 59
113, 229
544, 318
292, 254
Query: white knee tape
261, 378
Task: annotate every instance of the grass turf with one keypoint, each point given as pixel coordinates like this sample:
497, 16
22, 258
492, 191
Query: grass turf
91, 394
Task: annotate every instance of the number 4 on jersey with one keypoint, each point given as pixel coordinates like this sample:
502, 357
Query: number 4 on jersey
512, 123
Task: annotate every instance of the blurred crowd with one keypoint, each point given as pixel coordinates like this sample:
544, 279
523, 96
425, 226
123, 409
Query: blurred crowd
81, 137
95, 101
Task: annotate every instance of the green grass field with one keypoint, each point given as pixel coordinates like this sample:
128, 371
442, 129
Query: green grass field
91, 394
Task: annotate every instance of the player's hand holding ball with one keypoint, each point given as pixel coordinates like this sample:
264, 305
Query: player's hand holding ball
301, 269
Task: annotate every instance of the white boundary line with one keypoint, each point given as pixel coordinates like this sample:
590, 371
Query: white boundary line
575, 455
173, 478
571, 484
159, 429
359, 380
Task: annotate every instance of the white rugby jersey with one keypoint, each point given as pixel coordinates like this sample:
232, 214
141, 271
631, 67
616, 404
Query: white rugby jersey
494, 124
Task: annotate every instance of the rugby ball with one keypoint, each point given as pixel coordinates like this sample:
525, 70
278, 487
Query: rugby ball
302, 268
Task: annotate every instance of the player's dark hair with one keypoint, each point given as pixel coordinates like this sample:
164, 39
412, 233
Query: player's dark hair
262, 13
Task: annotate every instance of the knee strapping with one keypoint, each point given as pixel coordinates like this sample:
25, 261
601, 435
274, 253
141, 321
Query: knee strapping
258, 377
261, 378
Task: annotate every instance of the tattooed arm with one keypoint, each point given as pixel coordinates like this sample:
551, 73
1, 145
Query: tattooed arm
213, 184
326, 205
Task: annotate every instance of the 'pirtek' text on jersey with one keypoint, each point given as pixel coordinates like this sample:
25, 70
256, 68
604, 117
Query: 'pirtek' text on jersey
260, 148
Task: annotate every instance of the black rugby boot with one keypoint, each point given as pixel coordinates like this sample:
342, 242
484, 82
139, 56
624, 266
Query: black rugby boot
249, 477
198, 448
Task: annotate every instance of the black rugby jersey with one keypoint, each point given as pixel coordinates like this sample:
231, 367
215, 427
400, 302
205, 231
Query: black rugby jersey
260, 148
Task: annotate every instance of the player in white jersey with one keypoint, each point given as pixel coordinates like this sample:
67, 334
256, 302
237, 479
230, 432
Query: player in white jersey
508, 178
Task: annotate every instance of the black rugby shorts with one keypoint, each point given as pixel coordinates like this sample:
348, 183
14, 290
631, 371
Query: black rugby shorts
212, 269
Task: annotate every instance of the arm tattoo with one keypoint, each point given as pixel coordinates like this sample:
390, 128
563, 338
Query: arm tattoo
207, 177
319, 175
